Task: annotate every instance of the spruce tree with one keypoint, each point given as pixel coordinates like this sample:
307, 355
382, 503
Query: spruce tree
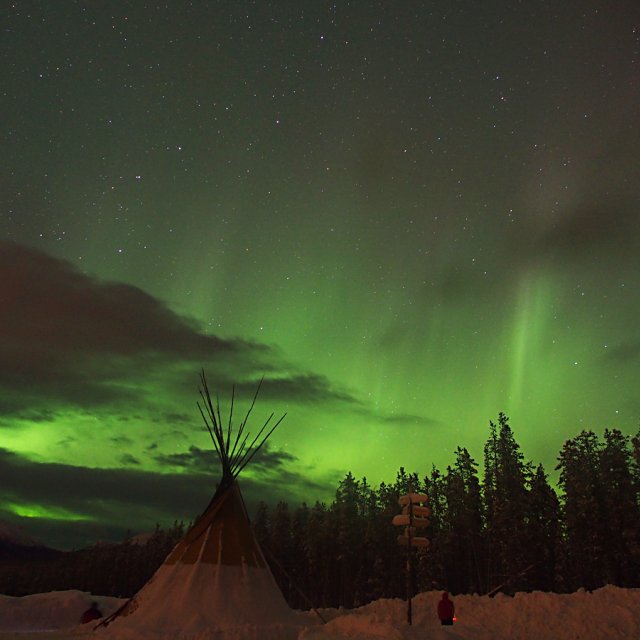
299, 565
434, 562
463, 524
349, 524
622, 517
583, 510
505, 493
321, 555
544, 526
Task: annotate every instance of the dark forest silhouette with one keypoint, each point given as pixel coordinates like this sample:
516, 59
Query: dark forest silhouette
506, 532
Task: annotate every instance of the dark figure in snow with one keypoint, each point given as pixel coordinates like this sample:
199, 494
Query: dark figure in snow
446, 609
92, 613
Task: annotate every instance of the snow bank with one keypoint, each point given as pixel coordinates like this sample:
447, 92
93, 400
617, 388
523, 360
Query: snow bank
609, 613
48, 611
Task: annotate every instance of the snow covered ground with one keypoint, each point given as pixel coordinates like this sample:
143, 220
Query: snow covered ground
49, 615
608, 613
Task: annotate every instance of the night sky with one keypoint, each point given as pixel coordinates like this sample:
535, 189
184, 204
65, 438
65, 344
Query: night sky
408, 216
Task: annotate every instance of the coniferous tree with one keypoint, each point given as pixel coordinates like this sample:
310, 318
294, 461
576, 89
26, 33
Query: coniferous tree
320, 554
601, 516
621, 510
634, 546
434, 562
346, 509
299, 565
544, 526
367, 583
462, 525
635, 464
390, 559
505, 492
583, 510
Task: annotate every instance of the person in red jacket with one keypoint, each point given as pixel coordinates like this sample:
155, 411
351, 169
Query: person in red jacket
92, 613
446, 609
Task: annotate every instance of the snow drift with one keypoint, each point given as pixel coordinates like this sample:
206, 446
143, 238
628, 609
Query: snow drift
609, 613
49, 611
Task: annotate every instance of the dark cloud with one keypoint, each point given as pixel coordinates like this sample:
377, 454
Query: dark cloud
408, 418
70, 339
599, 232
107, 502
195, 460
198, 460
173, 417
74, 339
306, 388
90, 491
33, 415
268, 458
285, 484
57, 310
397, 419
302, 388
590, 231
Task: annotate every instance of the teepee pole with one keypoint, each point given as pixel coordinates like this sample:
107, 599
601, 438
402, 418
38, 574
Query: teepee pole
233, 458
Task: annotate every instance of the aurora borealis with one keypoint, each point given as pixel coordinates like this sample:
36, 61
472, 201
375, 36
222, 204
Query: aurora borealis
406, 216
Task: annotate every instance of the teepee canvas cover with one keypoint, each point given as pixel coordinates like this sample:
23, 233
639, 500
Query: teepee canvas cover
216, 582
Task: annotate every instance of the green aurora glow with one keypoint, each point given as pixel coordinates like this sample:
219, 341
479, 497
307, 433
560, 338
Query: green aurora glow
407, 218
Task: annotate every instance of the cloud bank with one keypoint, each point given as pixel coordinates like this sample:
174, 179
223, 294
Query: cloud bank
74, 345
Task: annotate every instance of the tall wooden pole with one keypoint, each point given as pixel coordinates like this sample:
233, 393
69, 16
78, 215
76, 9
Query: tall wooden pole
409, 535
409, 581
409, 519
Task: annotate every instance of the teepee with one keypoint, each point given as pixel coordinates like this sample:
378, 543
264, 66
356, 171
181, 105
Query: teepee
215, 583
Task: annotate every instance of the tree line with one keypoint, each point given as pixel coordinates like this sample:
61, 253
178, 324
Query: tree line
507, 530
105, 569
